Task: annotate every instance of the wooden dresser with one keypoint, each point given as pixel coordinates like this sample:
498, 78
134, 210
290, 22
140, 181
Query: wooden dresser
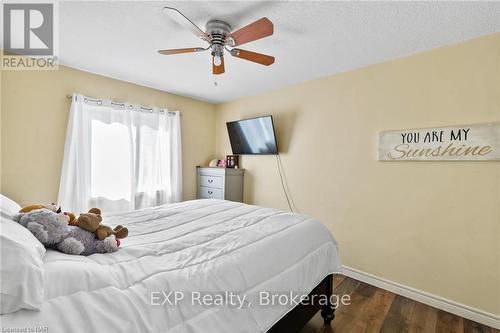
220, 183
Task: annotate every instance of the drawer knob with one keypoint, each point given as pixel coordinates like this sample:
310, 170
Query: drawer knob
210, 180
210, 192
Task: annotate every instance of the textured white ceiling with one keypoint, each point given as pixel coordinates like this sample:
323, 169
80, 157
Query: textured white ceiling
311, 40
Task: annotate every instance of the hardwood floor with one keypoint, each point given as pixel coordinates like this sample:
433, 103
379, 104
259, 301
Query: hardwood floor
376, 310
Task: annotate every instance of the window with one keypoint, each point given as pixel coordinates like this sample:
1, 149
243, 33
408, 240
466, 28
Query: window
120, 157
111, 156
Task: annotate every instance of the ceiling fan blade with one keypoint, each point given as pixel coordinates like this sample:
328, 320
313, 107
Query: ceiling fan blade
218, 69
256, 30
177, 51
252, 56
181, 19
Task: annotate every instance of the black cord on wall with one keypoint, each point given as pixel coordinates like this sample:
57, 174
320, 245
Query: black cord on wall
283, 182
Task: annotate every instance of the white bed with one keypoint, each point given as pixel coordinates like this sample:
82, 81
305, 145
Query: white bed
201, 245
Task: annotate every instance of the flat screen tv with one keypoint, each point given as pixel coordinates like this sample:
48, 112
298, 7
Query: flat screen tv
253, 136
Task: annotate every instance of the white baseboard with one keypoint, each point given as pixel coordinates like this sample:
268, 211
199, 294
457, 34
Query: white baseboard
441, 303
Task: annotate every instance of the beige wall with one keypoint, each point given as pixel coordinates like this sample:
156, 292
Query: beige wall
34, 118
433, 226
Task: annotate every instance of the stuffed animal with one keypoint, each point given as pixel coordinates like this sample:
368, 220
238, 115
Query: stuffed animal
91, 221
71, 218
47, 227
51, 207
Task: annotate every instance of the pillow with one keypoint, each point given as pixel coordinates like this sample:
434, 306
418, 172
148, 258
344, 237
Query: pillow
8, 207
21, 269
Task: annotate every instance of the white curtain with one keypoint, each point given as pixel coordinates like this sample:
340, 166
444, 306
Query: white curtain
120, 156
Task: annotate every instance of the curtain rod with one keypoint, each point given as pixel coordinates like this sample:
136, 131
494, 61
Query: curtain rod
115, 103
97, 100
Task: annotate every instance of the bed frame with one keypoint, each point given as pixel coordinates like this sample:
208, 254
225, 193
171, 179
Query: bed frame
294, 320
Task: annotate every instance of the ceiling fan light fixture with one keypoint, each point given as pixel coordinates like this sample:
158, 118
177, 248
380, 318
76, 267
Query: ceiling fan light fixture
217, 60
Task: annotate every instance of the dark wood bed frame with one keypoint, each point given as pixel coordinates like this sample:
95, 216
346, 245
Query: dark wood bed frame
294, 320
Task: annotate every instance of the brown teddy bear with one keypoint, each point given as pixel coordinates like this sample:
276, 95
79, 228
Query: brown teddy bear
91, 221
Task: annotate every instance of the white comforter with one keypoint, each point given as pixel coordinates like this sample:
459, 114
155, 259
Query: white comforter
206, 246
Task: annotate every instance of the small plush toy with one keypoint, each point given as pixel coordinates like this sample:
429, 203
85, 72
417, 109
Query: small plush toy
29, 208
48, 227
52, 207
91, 221
71, 218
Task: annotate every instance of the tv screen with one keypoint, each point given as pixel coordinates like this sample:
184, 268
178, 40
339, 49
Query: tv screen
252, 136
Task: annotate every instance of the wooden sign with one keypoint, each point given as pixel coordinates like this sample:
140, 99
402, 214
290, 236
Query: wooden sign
477, 142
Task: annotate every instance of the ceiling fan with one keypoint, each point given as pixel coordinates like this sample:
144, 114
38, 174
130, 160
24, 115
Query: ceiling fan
218, 34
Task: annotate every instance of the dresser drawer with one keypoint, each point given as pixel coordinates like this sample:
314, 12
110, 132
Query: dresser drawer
220, 183
210, 193
211, 181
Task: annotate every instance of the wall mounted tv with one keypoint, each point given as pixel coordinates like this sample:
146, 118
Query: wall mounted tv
253, 136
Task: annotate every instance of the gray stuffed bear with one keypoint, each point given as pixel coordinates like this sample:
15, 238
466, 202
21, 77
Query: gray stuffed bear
54, 233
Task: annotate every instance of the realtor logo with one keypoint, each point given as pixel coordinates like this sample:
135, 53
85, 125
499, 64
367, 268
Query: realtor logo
28, 29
